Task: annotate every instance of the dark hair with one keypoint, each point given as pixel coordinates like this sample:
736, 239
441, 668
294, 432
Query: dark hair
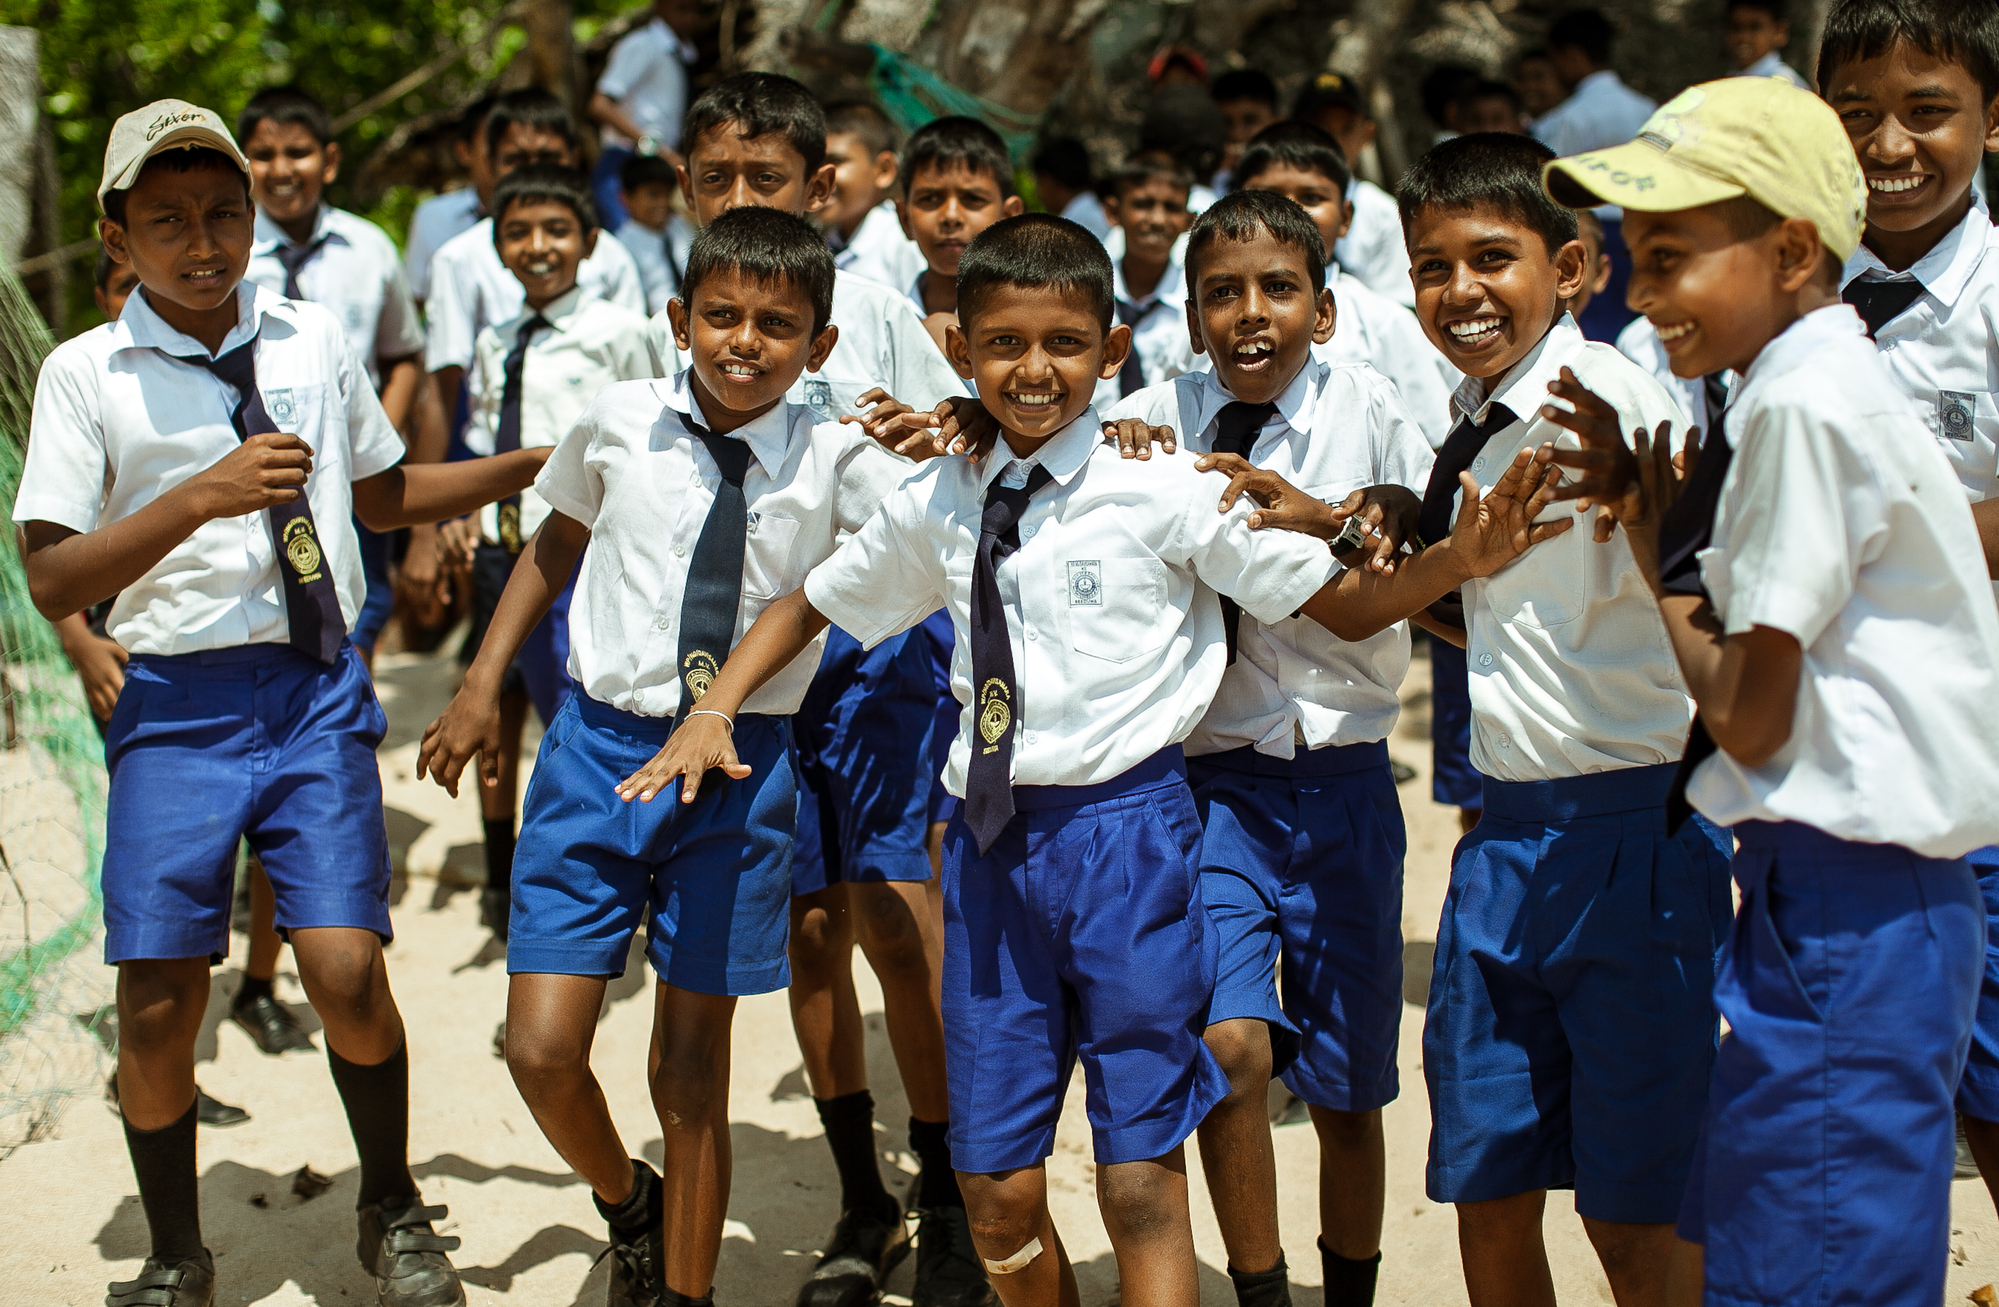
865, 120
1244, 84
1774, 8
1245, 215
1491, 90
193, 159
539, 183
1538, 52
1150, 166
1963, 32
1444, 86
283, 105
759, 104
769, 246
1499, 172
646, 170
946, 143
1067, 160
471, 118
1297, 145
1586, 30
1032, 251
528, 107
1186, 123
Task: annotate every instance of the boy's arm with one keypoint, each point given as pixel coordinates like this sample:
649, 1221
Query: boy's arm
400, 381
1985, 516
471, 724
407, 495
99, 663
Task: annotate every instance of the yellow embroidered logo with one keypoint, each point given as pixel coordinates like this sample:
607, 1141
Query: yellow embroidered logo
699, 670
510, 528
301, 549
995, 713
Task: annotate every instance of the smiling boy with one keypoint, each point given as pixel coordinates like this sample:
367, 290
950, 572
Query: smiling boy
1757, 34
1827, 600
201, 458
1148, 202
957, 181
702, 499
862, 226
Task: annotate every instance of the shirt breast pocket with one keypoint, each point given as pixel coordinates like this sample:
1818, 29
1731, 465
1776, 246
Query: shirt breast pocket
1117, 607
1966, 423
767, 561
1549, 585
300, 410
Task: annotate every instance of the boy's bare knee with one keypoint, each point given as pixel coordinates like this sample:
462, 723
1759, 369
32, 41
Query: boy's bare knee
160, 1003
1242, 1046
537, 1057
1005, 1211
1137, 1199
888, 931
1345, 1131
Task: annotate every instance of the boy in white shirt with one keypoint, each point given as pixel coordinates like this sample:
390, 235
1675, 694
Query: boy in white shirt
1757, 34
654, 235
1089, 644
1303, 841
533, 377
1371, 248
1148, 202
1827, 600
702, 499
1066, 183
641, 97
445, 215
862, 228
956, 182
201, 458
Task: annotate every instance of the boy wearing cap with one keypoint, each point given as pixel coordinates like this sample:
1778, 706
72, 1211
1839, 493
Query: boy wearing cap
225, 533
1827, 601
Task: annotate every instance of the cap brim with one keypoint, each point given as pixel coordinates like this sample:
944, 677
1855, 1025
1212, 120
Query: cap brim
1636, 175
189, 137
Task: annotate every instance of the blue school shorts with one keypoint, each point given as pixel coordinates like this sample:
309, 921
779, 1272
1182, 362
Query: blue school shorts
1571, 1021
863, 735
541, 668
1978, 1096
1453, 780
1081, 934
941, 637
260, 742
1850, 982
1301, 868
711, 880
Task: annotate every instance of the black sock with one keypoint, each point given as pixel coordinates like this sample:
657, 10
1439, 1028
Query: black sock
668, 1298
1271, 1288
850, 1132
937, 1183
377, 1099
1348, 1283
500, 854
253, 988
643, 1207
163, 1161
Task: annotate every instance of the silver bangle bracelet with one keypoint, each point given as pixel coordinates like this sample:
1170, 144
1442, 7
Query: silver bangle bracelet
710, 712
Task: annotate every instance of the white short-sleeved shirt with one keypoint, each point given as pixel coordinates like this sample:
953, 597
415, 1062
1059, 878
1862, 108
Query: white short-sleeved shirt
471, 290
1110, 600
118, 423
587, 345
1371, 328
882, 343
630, 472
1088, 210
1373, 248
432, 226
1571, 668
1840, 524
1773, 65
357, 276
1336, 430
661, 257
646, 76
1599, 113
879, 251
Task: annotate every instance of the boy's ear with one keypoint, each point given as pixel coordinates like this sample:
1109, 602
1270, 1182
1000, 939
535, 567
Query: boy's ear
676, 318
590, 241
1194, 336
819, 189
1798, 253
1346, 223
686, 185
886, 171
958, 349
1113, 210
113, 237
1012, 207
1116, 346
327, 174
1571, 268
902, 216
1327, 320
822, 346
1992, 125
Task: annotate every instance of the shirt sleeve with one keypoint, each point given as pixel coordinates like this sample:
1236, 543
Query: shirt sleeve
482, 400
451, 342
883, 580
660, 351
1403, 453
570, 481
1269, 573
64, 477
618, 277
630, 58
1798, 514
916, 371
868, 475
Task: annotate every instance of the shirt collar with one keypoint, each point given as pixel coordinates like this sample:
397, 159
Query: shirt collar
1064, 454
1525, 387
1946, 270
557, 313
1163, 291
687, 50
1296, 405
1603, 79
269, 236
1808, 337
145, 329
769, 437
1767, 66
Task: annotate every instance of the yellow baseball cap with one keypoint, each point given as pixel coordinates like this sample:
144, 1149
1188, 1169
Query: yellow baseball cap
1755, 136
162, 125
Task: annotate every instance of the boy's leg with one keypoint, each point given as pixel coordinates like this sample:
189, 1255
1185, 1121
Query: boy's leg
1239, 1161
689, 1073
160, 1007
1505, 1260
1353, 1186
900, 926
1145, 1213
255, 1007
551, 1026
1014, 1236
496, 809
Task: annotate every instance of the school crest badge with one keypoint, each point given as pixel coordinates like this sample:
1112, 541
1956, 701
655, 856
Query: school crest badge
510, 528
1955, 413
279, 404
1086, 583
819, 398
698, 670
302, 549
995, 713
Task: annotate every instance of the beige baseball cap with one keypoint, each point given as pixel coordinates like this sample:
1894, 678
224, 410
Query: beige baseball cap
1755, 136
162, 125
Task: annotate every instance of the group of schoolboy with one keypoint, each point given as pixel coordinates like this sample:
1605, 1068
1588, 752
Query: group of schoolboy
897, 614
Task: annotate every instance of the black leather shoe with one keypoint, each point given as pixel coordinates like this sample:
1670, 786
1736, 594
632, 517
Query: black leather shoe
948, 1270
494, 907
186, 1284
407, 1257
864, 1248
635, 1269
215, 1112
272, 1025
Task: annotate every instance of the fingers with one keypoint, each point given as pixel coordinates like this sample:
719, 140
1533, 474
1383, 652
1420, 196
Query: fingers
1238, 484
1133, 438
1549, 530
489, 764
1165, 437
1231, 464
873, 397
1586, 401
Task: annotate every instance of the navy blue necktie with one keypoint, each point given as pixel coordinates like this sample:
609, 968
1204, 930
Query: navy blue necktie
714, 591
1131, 377
1235, 433
295, 257
996, 688
508, 437
1881, 302
1433, 522
1685, 530
312, 604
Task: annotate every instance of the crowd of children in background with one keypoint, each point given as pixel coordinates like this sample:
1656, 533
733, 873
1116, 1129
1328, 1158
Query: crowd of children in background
852, 532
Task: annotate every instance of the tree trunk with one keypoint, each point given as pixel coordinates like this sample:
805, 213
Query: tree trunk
1361, 49
551, 51
1018, 53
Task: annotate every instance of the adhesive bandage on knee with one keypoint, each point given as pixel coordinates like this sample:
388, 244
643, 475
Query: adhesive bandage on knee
1017, 1261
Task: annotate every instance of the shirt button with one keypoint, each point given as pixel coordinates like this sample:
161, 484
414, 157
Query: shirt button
1505, 741
662, 623
1031, 737
1485, 660
1033, 634
1478, 465
680, 551
1027, 533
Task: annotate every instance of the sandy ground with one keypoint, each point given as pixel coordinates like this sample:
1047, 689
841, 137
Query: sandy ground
531, 1235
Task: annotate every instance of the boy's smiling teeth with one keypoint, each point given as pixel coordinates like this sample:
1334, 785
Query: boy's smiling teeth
1254, 348
1032, 401
1474, 330
1674, 332
1894, 185
738, 370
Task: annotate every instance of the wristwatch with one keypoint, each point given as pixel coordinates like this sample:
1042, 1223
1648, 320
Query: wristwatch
1353, 537
648, 146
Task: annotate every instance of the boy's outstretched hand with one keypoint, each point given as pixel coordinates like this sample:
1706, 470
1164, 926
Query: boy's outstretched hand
1497, 527
469, 725
1383, 517
1630, 484
958, 425
701, 742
